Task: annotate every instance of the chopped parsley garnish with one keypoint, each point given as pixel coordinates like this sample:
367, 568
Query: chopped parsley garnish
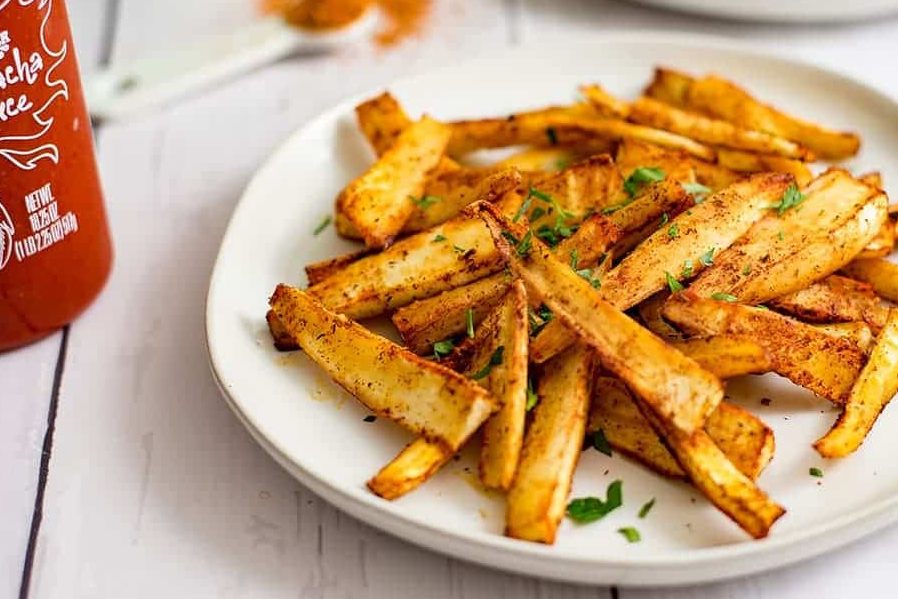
707, 259
673, 284
425, 201
537, 213
532, 397
747, 269
601, 443
524, 208
646, 508
791, 198
552, 235
640, 176
545, 316
589, 509
815, 472
469, 322
441, 349
523, 248
438, 238
322, 226
575, 257
673, 231
553, 138
664, 219
511, 238
780, 236
687, 269
460, 250
495, 360
630, 533
697, 191
561, 164
726, 297
585, 273
370, 418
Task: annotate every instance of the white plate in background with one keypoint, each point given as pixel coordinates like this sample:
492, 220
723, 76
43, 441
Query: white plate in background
791, 11
317, 432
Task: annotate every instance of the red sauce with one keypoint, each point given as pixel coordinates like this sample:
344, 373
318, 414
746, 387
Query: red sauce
55, 248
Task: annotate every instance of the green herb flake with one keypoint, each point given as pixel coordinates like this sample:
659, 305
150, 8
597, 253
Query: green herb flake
589, 509
322, 226
523, 248
726, 297
640, 176
495, 360
792, 197
441, 349
815, 472
665, 218
630, 533
698, 191
707, 259
460, 250
780, 236
673, 231
425, 202
537, 213
688, 269
438, 239
532, 397
469, 322
673, 284
746, 270
560, 165
600, 443
553, 138
524, 208
646, 508
575, 258
511, 238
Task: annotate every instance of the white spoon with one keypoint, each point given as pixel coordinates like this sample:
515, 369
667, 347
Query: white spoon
153, 81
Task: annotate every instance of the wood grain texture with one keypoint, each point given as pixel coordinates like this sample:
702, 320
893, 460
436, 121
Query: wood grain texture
155, 488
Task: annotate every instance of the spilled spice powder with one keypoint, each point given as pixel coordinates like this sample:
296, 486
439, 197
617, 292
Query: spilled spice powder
403, 18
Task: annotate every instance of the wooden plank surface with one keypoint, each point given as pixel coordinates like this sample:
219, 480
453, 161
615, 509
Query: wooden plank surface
155, 489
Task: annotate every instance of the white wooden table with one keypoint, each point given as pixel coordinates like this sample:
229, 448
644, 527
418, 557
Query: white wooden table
144, 484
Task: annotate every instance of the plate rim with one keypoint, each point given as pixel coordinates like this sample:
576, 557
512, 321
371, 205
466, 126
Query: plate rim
377, 512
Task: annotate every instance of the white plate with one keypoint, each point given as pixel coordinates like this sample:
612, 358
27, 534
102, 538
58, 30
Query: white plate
796, 11
317, 433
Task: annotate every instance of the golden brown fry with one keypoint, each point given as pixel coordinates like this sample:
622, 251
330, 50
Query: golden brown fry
712, 473
874, 389
415, 267
834, 299
651, 317
542, 159
858, 332
672, 384
784, 253
746, 162
538, 495
381, 120
808, 357
424, 397
883, 243
881, 274
719, 98
424, 322
727, 356
503, 433
416, 463
714, 132
744, 439
283, 340
604, 103
380, 201
318, 271
676, 164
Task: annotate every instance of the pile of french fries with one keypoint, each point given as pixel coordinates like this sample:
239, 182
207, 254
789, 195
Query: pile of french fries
606, 278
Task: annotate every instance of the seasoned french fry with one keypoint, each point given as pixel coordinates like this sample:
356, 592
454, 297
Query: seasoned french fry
722, 99
651, 317
318, 271
283, 340
676, 164
834, 299
808, 357
503, 433
881, 274
380, 201
714, 224
542, 159
428, 399
416, 463
883, 243
421, 265
727, 356
424, 322
714, 132
858, 332
874, 389
712, 473
744, 439
783, 253
538, 495
746, 162
575, 126
669, 382
604, 103
381, 120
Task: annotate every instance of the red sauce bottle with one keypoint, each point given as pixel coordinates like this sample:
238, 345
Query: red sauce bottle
55, 247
